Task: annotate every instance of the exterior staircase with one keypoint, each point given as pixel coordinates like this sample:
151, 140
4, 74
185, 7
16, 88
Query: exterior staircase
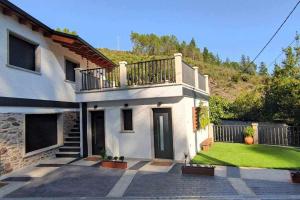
71, 148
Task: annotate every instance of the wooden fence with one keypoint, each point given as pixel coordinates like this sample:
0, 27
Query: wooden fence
283, 135
267, 134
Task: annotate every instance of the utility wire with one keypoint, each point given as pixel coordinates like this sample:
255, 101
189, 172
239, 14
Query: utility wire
274, 61
278, 29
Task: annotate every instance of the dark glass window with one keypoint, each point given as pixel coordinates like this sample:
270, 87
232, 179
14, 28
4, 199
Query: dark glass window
127, 120
21, 53
41, 131
70, 70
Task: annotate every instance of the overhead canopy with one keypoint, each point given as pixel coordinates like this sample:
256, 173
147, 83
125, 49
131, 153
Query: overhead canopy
72, 42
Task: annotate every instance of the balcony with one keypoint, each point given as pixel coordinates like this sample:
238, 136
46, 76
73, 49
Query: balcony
155, 78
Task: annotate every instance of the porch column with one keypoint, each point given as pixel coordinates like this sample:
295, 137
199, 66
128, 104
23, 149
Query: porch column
123, 74
78, 79
206, 84
178, 67
83, 130
196, 74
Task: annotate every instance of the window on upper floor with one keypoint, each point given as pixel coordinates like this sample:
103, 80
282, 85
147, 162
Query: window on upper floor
70, 70
22, 53
127, 124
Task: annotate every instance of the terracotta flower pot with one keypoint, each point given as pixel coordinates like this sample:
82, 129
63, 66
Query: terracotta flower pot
249, 140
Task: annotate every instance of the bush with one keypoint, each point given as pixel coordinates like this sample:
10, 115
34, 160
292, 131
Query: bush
248, 131
245, 77
235, 78
109, 157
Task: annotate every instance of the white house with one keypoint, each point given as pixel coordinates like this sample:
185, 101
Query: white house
60, 96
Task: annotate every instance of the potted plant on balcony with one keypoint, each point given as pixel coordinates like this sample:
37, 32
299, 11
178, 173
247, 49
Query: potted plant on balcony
248, 134
114, 162
295, 176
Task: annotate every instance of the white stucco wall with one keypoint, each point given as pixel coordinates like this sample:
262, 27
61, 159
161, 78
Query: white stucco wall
50, 84
194, 139
139, 144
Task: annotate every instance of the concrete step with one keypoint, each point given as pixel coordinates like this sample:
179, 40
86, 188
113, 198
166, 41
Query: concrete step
69, 139
67, 155
69, 149
75, 130
74, 134
72, 143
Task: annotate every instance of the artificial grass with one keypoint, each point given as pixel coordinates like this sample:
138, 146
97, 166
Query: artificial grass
242, 155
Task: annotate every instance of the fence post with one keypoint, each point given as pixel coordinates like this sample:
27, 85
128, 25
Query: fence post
256, 136
178, 67
196, 74
78, 79
123, 74
211, 131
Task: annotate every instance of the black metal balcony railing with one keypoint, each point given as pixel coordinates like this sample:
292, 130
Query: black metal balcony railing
151, 72
100, 78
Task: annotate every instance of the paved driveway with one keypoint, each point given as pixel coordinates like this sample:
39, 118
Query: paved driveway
145, 181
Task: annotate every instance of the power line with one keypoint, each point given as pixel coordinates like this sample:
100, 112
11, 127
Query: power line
274, 61
278, 29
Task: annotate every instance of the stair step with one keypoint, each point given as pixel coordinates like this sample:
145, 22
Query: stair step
72, 139
72, 143
67, 154
75, 134
69, 149
75, 130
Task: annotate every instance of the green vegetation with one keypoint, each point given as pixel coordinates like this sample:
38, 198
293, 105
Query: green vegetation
277, 99
250, 156
203, 116
248, 131
66, 30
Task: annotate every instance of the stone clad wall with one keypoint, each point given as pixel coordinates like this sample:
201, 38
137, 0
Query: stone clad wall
69, 121
12, 130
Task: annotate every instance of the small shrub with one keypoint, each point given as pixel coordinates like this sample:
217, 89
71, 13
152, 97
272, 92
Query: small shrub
245, 77
103, 154
109, 157
249, 131
235, 78
122, 158
116, 158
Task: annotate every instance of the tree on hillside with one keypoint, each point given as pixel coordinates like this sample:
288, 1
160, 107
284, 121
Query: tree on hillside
247, 66
205, 54
282, 94
263, 70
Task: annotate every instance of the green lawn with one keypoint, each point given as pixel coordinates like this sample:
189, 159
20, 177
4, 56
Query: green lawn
250, 156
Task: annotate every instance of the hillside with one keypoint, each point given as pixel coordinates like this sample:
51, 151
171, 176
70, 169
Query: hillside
226, 82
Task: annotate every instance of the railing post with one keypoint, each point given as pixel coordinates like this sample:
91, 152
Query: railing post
123, 74
178, 67
256, 136
206, 84
78, 79
196, 74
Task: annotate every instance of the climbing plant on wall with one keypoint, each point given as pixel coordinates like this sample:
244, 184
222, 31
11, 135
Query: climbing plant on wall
203, 116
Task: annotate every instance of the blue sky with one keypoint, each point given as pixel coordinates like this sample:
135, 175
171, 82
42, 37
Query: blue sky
229, 28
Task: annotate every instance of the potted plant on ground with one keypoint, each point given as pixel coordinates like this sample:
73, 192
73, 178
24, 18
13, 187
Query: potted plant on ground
295, 176
196, 169
114, 162
248, 134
